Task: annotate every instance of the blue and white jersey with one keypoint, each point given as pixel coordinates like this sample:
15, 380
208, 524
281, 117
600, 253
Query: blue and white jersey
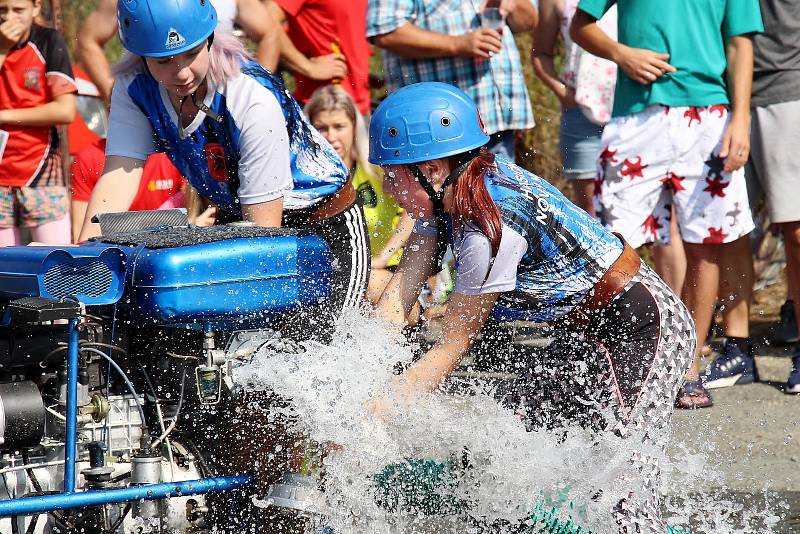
551, 251
256, 146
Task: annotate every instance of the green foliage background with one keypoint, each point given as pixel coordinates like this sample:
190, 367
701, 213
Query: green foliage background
537, 149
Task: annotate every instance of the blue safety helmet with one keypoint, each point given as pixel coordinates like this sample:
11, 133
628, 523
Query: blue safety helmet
161, 28
424, 121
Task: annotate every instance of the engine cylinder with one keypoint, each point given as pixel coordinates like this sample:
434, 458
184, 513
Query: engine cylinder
22, 415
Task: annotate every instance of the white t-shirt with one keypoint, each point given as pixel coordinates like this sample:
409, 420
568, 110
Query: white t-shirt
263, 151
473, 252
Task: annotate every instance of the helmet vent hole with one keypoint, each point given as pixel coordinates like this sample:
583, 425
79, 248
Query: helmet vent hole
397, 153
393, 131
445, 121
127, 22
203, 3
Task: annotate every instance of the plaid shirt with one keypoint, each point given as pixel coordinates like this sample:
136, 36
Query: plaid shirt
496, 84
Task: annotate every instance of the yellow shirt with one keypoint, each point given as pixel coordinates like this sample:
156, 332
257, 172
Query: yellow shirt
381, 211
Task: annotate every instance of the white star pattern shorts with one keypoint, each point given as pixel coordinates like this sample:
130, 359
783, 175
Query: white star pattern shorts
665, 156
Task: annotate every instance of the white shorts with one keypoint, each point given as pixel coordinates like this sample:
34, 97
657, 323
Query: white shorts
664, 156
775, 158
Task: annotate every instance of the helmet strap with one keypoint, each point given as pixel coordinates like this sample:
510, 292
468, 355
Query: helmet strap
437, 198
200, 106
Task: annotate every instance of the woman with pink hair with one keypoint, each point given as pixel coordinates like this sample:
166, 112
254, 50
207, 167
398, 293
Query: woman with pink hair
231, 128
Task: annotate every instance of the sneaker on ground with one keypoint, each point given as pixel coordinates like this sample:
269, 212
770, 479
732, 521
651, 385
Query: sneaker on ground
731, 368
793, 384
785, 332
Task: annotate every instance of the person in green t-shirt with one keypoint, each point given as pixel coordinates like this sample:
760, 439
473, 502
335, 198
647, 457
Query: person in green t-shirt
333, 112
677, 143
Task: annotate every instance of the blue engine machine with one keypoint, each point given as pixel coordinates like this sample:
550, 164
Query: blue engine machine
116, 359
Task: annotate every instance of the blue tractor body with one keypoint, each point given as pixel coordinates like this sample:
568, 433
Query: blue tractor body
178, 306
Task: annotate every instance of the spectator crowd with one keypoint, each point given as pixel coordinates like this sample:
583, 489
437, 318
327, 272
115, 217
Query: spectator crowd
676, 117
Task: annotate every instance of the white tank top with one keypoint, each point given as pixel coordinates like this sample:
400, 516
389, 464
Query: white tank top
226, 13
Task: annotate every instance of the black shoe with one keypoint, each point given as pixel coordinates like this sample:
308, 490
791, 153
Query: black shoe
793, 384
785, 331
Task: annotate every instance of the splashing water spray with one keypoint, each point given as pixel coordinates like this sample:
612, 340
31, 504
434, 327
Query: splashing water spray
450, 461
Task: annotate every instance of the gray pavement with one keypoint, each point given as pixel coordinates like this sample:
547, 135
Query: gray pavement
751, 436
753, 429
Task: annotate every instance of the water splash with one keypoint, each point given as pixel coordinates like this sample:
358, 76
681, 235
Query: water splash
480, 464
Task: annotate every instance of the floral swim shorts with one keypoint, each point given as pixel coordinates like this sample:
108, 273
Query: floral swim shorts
32, 206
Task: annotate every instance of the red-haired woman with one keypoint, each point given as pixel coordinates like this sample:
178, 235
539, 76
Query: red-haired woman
523, 251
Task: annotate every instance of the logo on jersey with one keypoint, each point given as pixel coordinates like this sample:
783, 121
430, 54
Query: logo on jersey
215, 156
174, 39
160, 184
33, 79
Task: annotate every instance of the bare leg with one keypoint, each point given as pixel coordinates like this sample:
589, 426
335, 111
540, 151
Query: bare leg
9, 236
670, 260
583, 195
791, 236
736, 287
53, 232
700, 291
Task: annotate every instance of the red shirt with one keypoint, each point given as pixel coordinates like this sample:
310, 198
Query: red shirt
160, 179
317, 27
79, 134
33, 74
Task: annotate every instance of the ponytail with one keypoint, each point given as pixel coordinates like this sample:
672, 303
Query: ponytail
472, 202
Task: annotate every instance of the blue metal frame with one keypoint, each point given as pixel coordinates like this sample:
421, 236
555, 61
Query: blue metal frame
71, 440
23, 272
72, 499
148, 492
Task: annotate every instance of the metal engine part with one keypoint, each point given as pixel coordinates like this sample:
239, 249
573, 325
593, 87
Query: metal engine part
102, 341
45, 469
146, 469
22, 415
295, 492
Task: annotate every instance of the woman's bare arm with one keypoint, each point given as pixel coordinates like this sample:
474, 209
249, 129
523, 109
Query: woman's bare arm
403, 289
463, 320
544, 46
268, 214
114, 192
398, 240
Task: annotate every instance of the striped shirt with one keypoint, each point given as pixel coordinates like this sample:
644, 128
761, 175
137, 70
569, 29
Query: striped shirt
497, 84
551, 253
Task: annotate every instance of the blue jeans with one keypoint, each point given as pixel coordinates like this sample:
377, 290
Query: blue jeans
502, 144
580, 145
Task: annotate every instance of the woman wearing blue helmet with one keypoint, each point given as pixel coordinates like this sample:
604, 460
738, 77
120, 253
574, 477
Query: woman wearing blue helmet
231, 128
524, 252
